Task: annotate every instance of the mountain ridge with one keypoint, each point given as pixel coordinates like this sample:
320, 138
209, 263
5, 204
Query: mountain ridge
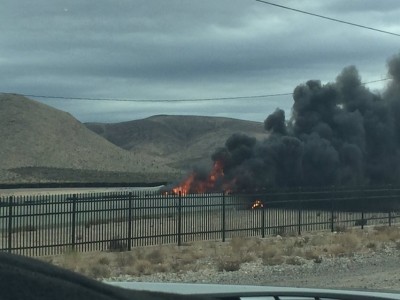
182, 140
34, 135
40, 143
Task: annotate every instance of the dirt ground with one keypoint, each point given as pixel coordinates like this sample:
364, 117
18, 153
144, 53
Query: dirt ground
380, 271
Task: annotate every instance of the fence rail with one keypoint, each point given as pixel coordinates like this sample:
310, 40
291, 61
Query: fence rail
53, 224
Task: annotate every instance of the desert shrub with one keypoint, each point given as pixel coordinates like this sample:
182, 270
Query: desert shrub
318, 240
290, 233
337, 250
98, 271
310, 255
155, 256
318, 260
143, 267
138, 253
162, 268
228, 264
281, 230
272, 255
175, 266
237, 243
339, 228
293, 260
397, 245
371, 245
104, 260
241, 248
273, 261
289, 249
70, 260
386, 233
300, 242
350, 242
124, 259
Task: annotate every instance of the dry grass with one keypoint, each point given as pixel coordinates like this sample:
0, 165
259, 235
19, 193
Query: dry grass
229, 256
386, 234
271, 255
228, 264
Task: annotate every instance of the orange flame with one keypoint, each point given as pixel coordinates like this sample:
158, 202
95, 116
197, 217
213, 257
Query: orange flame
184, 187
257, 204
194, 185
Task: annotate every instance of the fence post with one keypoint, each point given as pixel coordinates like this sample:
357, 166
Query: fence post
179, 218
299, 217
130, 221
362, 219
390, 218
263, 220
223, 216
332, 209
73, 220
10, 215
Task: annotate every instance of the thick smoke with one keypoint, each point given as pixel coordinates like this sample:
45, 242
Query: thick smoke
339, 134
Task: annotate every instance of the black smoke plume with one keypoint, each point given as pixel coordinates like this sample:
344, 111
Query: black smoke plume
339, 133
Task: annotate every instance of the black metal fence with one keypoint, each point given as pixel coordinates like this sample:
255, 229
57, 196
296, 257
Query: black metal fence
47, 225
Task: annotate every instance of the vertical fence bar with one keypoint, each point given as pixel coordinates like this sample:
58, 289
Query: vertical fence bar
73, 221
10, 215
130, 221
263, 220
390, 218
362, 219
332, 210
363, 208
223, 217
180, 218
299, 219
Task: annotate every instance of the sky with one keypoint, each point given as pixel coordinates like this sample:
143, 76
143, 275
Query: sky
185, 50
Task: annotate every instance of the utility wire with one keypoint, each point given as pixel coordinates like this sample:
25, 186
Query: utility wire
157, 100
328, 18
171, 100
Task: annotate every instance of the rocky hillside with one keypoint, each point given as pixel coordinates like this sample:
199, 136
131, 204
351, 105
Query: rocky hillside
40, 143
43, 144
182, 141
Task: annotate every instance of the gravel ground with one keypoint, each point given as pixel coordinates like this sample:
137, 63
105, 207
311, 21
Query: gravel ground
376, 271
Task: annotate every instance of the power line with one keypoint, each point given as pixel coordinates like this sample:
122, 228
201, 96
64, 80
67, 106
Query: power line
172, 100
157, 100
328, 18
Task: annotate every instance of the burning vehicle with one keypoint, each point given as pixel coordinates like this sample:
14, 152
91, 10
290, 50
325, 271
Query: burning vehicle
200, 182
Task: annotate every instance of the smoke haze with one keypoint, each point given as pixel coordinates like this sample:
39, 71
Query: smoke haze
339, 133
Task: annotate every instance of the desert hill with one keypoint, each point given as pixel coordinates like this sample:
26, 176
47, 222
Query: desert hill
41, 143
181, 141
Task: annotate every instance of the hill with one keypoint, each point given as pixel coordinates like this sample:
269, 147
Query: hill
40, 143
181, 141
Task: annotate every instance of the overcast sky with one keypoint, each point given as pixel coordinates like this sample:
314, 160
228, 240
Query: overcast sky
186, 49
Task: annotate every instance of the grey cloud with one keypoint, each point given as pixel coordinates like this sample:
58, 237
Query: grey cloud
179, 49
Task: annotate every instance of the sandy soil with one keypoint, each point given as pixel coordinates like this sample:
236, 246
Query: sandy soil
378, 271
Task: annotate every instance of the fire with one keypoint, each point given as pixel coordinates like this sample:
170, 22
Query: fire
194, 184
257, 204
184, 187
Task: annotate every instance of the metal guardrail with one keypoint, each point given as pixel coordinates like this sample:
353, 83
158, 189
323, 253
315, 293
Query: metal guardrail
52, 224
